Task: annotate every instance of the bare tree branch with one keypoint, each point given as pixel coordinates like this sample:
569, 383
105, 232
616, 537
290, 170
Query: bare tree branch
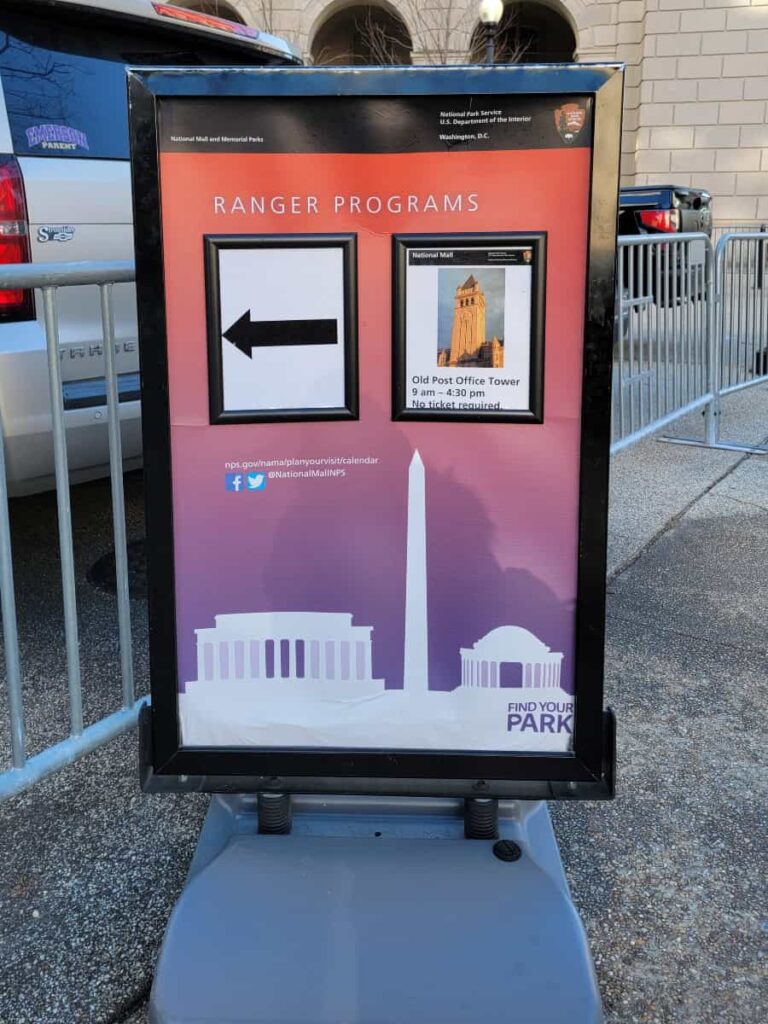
443, 33
381, 42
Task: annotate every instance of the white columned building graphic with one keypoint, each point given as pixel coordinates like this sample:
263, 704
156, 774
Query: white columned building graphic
510, 656
322, 647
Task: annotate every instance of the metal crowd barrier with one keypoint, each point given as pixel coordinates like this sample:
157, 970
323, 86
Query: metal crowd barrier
26, 770
740, 322
662, 350
691, 327
718, 230
738, 331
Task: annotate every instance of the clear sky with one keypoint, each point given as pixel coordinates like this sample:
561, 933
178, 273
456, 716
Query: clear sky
491, 280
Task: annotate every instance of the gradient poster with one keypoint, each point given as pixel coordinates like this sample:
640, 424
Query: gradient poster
349, 577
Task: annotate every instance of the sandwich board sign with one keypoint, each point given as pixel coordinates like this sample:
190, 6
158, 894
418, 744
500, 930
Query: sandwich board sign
376, 313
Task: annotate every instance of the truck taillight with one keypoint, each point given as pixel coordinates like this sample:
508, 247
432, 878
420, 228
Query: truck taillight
206, 20
16, 303
660, 220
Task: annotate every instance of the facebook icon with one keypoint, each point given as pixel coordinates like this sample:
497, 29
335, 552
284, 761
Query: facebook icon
233, 481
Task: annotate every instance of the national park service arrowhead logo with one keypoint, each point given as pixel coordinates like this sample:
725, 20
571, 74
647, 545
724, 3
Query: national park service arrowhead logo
569, 120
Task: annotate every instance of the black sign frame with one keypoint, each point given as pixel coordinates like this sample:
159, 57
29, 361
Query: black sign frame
587, 771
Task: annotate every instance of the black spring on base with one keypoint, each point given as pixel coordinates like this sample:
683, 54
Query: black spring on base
481, 818
274, 814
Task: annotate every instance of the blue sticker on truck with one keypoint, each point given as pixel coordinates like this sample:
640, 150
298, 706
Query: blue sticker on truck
56, 136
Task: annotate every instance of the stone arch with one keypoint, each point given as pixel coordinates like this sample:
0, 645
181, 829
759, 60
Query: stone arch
360, 32
573, 11
530, 31
218, 8
318, 13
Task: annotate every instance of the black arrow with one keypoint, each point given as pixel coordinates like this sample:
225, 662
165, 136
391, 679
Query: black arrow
247, 334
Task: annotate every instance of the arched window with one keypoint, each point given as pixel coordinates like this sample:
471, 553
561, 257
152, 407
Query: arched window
362, 34
528, 33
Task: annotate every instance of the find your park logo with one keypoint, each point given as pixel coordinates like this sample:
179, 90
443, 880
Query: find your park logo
243, 482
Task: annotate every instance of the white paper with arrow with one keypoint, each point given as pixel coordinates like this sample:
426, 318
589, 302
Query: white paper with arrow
282, 321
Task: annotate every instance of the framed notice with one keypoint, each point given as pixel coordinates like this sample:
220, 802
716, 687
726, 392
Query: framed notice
469, 327
282, 327
375, 312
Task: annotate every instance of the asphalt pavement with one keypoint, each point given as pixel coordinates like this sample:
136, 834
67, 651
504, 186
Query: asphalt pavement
669, 878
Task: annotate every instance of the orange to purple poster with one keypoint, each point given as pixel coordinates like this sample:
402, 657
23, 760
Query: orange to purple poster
376, 312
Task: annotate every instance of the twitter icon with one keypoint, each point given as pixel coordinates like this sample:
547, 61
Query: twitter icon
256, 481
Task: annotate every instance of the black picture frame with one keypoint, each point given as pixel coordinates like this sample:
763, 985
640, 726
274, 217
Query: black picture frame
585, 771
401, 245
212, 246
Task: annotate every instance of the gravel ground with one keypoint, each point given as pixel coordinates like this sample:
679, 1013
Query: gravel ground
40, 612
669, 878
91, 867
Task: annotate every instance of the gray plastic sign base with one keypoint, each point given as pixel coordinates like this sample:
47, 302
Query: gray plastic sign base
374, 911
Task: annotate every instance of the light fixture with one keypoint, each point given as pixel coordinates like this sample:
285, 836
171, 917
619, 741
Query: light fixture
490, 12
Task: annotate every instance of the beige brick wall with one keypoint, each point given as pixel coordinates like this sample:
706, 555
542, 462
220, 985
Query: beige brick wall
704, 111
696, 86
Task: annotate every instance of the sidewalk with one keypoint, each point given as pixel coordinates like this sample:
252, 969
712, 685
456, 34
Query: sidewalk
669, 878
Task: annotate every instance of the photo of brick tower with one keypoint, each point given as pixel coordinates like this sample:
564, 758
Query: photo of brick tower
478, 311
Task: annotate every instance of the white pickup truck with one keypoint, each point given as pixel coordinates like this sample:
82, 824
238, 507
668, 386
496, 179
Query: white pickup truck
65, 194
